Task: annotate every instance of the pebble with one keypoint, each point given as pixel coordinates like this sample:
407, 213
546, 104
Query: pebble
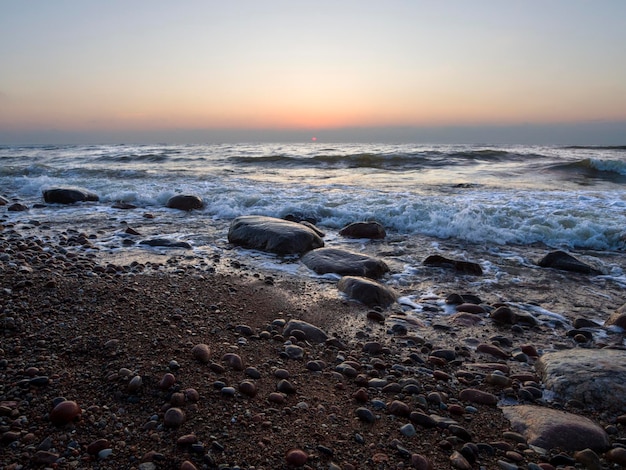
187, 465
419, 462
408, 430
399, 408
284, 386
64, 413
294, 352
253, 373
296, 457
617, 455
135, 384
201, 352
478, 396
174, 417
458, 461
589, 459
365, 415
167, 381
233, 360
248, 388
96, 446
504, 465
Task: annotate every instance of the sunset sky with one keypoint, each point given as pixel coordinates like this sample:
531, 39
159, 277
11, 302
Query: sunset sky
113, 70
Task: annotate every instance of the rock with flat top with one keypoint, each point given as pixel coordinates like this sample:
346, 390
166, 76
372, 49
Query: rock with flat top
344, 263
565, 262
273, 235
593, 377
554, 429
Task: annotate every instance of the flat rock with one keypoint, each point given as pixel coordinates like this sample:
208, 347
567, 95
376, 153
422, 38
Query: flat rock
68, 195
273, 235
372, 230
565, 262
344, 263
166, 243
367, 291
185, 202
594, 377
466, 267
311, 332
551, 429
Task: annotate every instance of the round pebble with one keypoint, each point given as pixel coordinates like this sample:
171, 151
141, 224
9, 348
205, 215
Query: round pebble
365, 415
296, 457
64, 413
248, 388
167, 381
233, 360
201, 352
174, 417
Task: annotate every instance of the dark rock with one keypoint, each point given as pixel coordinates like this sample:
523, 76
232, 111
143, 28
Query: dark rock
473, 395
174, 417
365, 415
344, 263
201, 352
311, 332
372, 230
273, 235
64, 413
296, 457
68, 195
549, 429
565, 262
466, 267
185, 202
17, 207
166, 243
617, 318
123, 205
366, 291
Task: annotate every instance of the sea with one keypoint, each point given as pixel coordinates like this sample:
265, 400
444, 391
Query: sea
455, 200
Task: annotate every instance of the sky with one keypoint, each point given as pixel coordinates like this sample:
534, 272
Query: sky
517, 71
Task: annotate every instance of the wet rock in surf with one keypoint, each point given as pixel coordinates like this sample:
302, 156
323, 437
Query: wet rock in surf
594, 377
550, 429
68, 195
372, 230
17, 207
565, 262
466, 267
367, 291
3, 201
344, 263
311, 332
185, 202
273, 235
165, 243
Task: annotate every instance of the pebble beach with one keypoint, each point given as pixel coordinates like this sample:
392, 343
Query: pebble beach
157, 362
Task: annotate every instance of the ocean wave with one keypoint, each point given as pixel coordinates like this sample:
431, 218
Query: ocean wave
596, 147
595, 168
134, 158
392, 161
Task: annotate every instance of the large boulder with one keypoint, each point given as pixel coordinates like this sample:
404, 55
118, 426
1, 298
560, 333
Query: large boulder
68, 195
565, 262
344, 263
363, 230
273, 235
367, 291
594, 377
554, 429
185, 202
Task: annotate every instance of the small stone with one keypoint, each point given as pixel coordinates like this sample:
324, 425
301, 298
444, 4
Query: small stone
296, 457
589, 459
294, 352
167, 381
617, 455
276, 397
187, 465
64, 413
45, 457
174, 417
458, 461
419, 462
478, 396
96, 446
233, 360
284, 386
187, 440
201, 352
135, 384
365, 415
399, 408
408, 430
248, 388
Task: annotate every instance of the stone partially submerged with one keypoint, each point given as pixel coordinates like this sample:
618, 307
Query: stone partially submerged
344, 263
565, 262
372, 230
554, 429
185, 202
68, 195
594, 377
367, 291
273, 235
466, 267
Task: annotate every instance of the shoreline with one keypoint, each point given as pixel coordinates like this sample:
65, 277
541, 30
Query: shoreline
82, 330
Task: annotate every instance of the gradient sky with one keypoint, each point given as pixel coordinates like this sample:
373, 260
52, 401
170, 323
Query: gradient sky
133, 70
